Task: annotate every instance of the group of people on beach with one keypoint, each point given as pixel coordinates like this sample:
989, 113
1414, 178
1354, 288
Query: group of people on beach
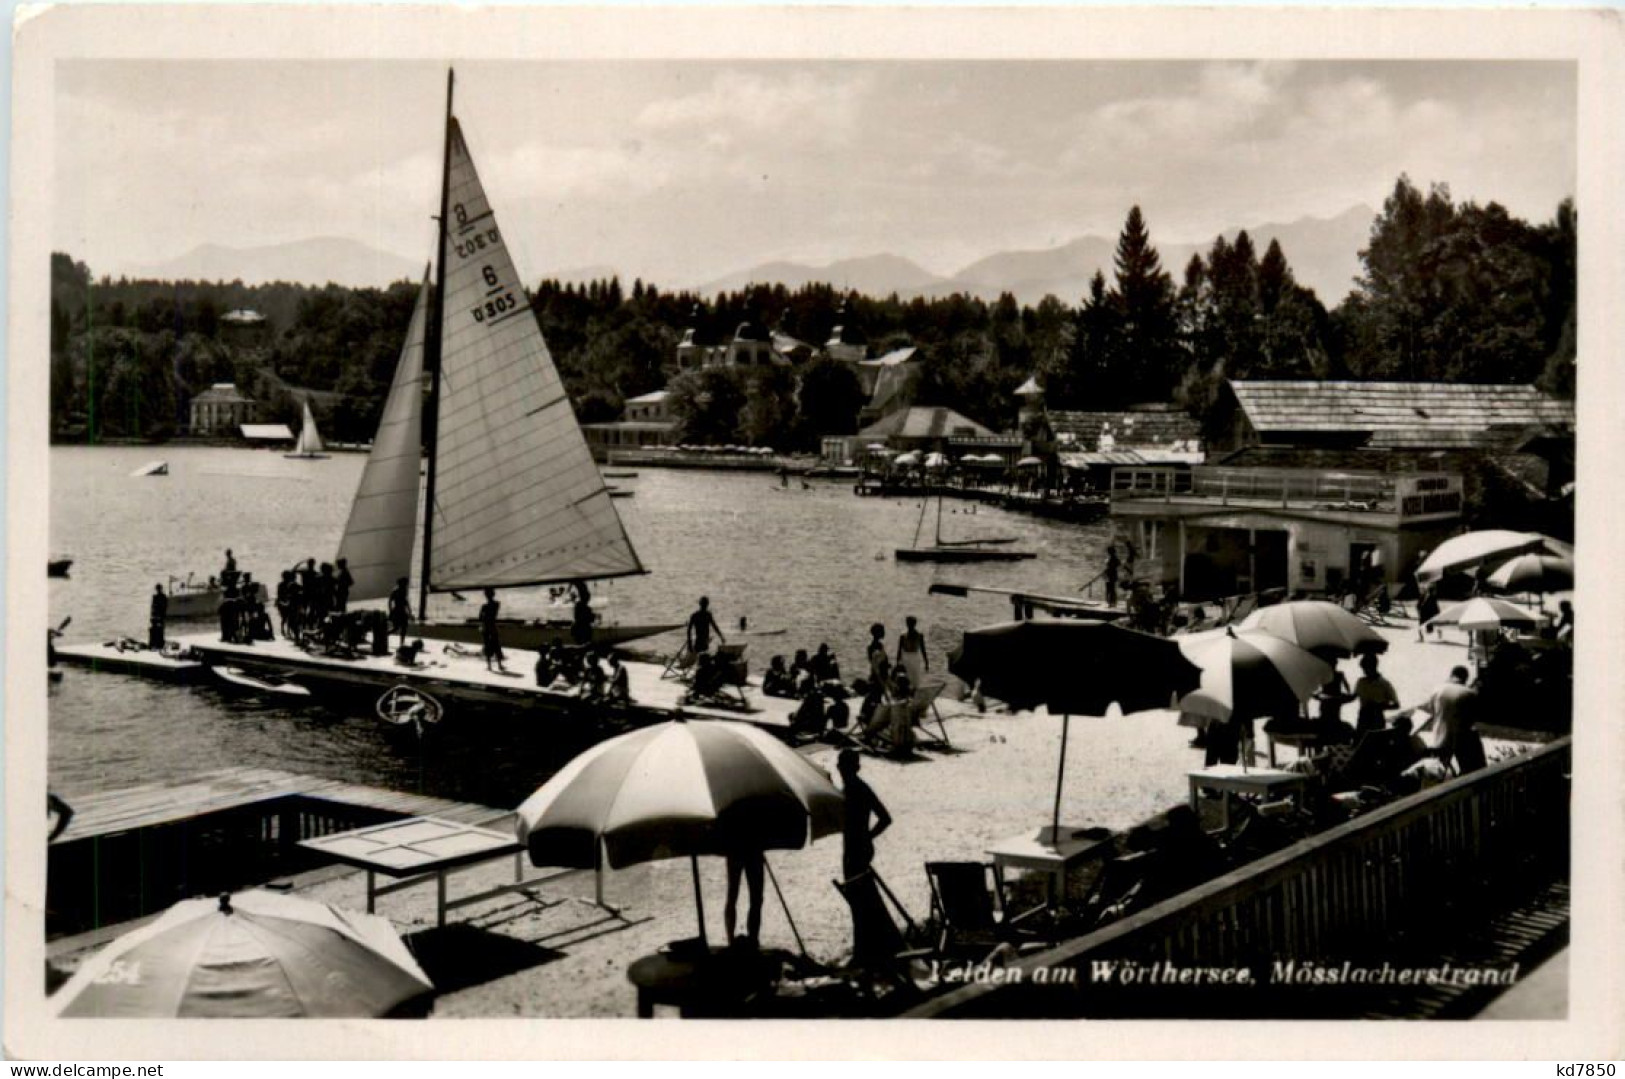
597, 675
890, 680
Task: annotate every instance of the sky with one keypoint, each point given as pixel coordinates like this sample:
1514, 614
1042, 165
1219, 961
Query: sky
683, 171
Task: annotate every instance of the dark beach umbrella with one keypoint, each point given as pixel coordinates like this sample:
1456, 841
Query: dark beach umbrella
679, 789
1073, 667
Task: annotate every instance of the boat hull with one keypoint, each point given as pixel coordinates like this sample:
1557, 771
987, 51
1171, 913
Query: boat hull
961, 554
205, 603
531, 636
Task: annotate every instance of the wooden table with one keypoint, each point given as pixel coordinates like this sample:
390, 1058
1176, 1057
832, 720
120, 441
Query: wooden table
421, 849
1233, 779
711, 983
1040, 852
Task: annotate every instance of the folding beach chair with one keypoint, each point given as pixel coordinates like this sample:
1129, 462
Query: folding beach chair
924, 701
969, 911
721, 676
681, 665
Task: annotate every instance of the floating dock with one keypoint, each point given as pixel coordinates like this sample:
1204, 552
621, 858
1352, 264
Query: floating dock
108, 656
464, 678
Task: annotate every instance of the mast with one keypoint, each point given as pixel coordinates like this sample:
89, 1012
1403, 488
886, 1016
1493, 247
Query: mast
431, 354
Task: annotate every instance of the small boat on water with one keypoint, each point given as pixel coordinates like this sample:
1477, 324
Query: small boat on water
191, 599
59, 567
616, 492
309, 447
991, 549
620, 475
237, 678
152, 468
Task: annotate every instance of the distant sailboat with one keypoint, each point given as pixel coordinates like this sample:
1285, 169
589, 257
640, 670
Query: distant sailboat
514, 497
310, 440
971, 550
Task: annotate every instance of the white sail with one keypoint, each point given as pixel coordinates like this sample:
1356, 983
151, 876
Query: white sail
518, 498
310, 440
382, 530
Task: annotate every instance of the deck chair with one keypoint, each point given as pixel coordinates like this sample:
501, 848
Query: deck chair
970, 915
925, 701
681, 665
725, 677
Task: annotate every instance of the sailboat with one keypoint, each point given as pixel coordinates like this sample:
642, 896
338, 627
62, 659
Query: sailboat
511, 493
309, 446
968, 550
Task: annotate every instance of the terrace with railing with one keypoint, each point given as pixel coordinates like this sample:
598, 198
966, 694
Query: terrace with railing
1366, 492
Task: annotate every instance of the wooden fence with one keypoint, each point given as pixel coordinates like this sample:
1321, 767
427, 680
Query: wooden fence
1364, 892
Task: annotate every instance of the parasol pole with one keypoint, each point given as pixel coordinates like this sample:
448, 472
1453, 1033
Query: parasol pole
699, 900
1060, 776
787, 915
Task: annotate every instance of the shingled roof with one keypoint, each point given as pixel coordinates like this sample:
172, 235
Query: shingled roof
1163, 430
1402, 414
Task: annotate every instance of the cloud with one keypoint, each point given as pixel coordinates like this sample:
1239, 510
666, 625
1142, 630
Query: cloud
799, 108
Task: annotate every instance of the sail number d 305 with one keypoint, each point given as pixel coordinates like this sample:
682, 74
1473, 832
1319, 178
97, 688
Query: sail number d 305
494, 307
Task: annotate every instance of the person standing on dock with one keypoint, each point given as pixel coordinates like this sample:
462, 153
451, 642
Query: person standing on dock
155, 618
581, 614
230, 614
228, 574
490, 642
701, 624
400, 608
342, 584
1110, 576
911, 652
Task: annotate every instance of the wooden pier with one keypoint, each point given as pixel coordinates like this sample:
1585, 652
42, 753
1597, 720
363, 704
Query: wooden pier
464, 678
137, 850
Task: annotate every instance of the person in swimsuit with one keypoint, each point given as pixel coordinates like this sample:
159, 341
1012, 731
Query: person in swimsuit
911, 651
701, 624
490, 643
400, 609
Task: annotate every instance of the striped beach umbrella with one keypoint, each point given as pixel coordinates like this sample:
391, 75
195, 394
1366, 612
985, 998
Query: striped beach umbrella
1254, 673
1317, 626
1537, 573
1484, 612
679, 789
253, 955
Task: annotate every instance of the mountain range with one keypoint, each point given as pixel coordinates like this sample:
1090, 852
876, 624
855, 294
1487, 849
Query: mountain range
1323, 254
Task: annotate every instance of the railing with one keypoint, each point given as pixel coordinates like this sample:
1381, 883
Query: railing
1329, 490
1346, 893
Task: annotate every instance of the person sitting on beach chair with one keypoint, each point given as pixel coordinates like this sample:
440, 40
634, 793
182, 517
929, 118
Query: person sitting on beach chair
715, 673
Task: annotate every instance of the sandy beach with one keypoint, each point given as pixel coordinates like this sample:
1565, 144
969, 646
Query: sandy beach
553, 956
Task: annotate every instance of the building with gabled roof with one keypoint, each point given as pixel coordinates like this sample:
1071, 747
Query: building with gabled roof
1385, 415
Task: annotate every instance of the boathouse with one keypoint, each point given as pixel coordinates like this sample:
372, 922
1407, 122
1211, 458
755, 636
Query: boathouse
1309, 485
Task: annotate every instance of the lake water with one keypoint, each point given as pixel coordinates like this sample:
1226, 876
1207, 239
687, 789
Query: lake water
815, 563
